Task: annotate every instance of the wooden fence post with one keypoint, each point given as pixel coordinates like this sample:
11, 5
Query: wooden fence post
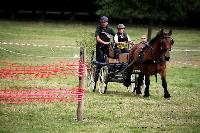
81, 84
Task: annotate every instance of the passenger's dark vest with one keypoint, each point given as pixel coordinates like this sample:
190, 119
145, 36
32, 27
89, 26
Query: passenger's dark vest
122, 38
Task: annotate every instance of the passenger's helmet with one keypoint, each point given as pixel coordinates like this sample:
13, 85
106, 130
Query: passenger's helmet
121, 26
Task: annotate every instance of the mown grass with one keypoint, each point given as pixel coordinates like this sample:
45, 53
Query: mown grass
115, 111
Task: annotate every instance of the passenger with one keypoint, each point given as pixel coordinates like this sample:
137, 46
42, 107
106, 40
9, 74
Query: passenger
144, 39
121, 40
103, 35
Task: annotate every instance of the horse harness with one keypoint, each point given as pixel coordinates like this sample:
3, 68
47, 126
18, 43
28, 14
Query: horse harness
147, 46
141, 57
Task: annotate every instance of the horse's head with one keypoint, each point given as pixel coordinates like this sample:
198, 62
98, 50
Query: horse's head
165, 42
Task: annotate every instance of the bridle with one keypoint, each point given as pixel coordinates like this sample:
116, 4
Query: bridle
161, 43
160, 53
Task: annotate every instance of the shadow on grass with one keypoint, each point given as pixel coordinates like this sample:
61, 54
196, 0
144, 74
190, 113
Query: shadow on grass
125, 93
116, 93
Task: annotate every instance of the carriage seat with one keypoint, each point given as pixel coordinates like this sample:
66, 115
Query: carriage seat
123, 58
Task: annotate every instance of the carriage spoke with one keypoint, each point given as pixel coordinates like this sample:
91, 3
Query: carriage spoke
90, 81
102, 81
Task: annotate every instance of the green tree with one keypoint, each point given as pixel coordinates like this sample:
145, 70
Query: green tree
193, 10
151, 10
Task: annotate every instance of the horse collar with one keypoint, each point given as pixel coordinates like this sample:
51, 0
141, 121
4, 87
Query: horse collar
141, 57
141, 53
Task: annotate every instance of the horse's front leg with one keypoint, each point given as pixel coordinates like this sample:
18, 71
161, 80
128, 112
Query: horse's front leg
147, 83
164, 84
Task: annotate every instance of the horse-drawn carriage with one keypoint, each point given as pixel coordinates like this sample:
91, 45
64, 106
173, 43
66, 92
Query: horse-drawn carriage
130, 69
112, 70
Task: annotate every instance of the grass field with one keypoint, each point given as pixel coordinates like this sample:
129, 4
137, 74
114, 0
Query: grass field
116, 111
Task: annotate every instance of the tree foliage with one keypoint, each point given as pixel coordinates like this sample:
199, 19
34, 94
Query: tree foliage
149, 9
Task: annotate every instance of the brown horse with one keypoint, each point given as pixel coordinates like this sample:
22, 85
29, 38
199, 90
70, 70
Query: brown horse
150, 59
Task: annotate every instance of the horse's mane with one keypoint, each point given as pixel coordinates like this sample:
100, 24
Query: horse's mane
153, 40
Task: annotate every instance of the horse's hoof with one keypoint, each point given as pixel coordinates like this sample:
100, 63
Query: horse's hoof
138, 92
146, 95
167, 96
127, 84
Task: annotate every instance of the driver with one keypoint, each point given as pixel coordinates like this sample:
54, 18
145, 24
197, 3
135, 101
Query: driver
103, 35
121, 40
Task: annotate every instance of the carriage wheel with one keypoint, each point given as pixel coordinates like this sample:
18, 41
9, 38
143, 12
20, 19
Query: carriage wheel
90, 79
103, 80
133, 82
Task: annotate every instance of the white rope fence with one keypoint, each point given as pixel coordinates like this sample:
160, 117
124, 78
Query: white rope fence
186, 56
34, 45
186, 50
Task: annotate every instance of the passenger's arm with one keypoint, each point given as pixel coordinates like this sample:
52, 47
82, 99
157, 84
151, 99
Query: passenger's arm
116, 39
129, 40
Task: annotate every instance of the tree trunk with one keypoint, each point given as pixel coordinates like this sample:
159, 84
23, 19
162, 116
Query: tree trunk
149, 30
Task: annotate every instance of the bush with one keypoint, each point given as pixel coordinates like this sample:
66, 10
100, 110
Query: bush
88, 41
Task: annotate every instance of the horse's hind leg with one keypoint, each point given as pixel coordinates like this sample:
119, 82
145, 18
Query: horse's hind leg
147, 83
139, 83
127, 80
127, 77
